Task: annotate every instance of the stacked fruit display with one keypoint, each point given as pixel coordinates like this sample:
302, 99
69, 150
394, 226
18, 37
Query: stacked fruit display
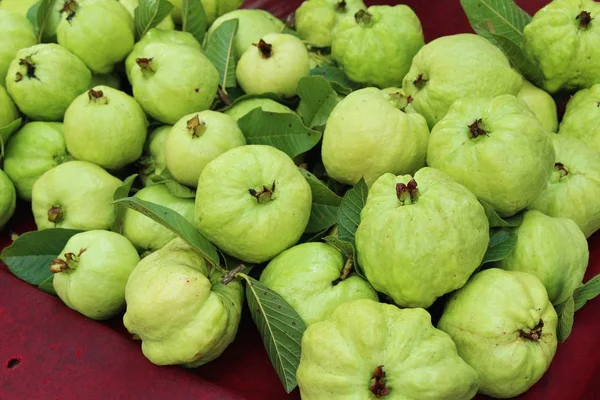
334, 171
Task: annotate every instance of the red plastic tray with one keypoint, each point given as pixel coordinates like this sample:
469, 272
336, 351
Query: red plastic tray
49, 352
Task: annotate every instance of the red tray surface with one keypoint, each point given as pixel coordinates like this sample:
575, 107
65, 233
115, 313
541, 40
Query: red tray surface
62, 355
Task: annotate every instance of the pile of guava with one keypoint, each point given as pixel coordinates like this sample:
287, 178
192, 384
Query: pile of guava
411, 216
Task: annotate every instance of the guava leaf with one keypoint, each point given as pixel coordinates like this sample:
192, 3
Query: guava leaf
501, 244
47, 286
325, 206
176, 223
6, 132
586, 292
29, 257
289, 31
348, 250
219, 50
566, 313
150, 13
317, 100
120, 193
174, 187
43, 11
338, 79
32, 16
313, 237
498, 222
281, 329
519, 60
194, 19
349, 213
284, 131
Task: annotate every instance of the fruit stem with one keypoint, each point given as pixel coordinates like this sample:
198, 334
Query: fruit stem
363, 17
346, 271
70, 7
535, 334
264, 194
420, 82
378, 385
55, 214
97, 97
407, 193
145, 64
266, 49
196, 126
231, 275
71, 262
476, 129
584, 19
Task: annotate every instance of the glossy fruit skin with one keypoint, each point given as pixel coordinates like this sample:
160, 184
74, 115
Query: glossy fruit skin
235, 220
59, 77
574, 185
489, 320
565, 51
84, 192
541, 103
212, 8
152, 163
240, 109
367, 136
8, 110
421, 249
451, 68
304, 276
35, 149
96, 286
179, 308
505, 159
378, 50
339, 356
131, 5
99, 45
16, 33
582, 117
188, 151
8, 199
16, 6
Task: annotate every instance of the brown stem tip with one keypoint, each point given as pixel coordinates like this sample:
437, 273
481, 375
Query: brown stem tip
30, 65
378, 385
407, 193
265, 48
476, 129
560, 167
55, 214
196, 126
535, 334
363, 17
97, 96
341, 6
70, 7
264, 194
145, 64
420, 82
584, 19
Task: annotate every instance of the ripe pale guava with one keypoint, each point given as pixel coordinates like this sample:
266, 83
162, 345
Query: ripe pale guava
16, 33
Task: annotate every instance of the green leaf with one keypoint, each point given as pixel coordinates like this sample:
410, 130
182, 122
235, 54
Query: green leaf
313, 237
566, 313
349, 214
45, 8
176, 223
120, 193
194, 19
348, 250
32, 16
284, 131
219, 50
174, 187
519, 60
317, 100
338, 79
498, 222
47, 286
323, 214
586, 292
501, 244
6, 132
149, 14
29, 257
281, 329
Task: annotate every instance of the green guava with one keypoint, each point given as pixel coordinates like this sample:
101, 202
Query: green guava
369, 350
252, 202
152, 163
8, 199
450, 68
180, 309
8, 110
105, 126
35, 149
367, 135
504, 327
553, 249
16, 33
197, 139
582, 117
274, 64
17, 6
167, 23
420, 237
240, 109
541, 103
91, 272
74, 195
171, 81
99, 32
22, 7
144, 233
111, 79
316, 19
574, 186
399, 98
253, 24
313, 279
44, 79
562, 40
497, 148
212, 8
377, 46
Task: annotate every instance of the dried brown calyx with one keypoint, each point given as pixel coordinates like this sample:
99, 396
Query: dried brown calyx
476, 129
399, 100
535, 334
55, 214
196, 126
145, 64
266, 49
264, 194
561, 169
70, 7
341, 6
70, 262
346, 271
363, 17
584, 19
97, 97
407, 193
420, 82
28, 63
378, 383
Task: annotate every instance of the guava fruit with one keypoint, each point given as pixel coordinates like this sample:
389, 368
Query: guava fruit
16, 6
253, 24
197, 139
212, 8
144, 233
367, 135
8, 199
35, 149
252, 202
574, 185
582, 117
497, 148
377, 46
74, 195
91, 272
316, 19
553, 249
99, 32
541, 103
111, 79
22, 7
562, 39
180, 309
240, 109
105, 126
167, 23
399, 98
8, 111
274, 64
313, 279
450, 68
171, 81
152, 163
44, 79
504, 327
420, 236
16, 33
368, 350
